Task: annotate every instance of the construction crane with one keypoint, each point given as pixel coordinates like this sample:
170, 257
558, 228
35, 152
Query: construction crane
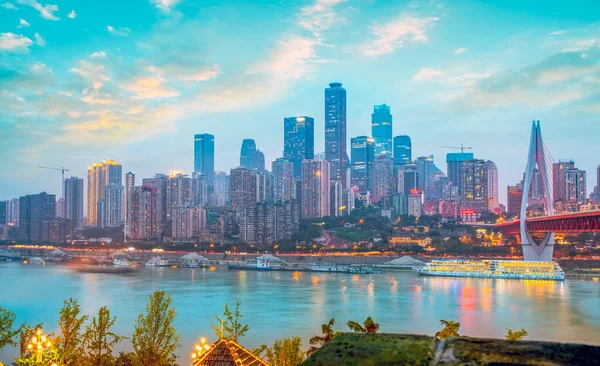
62, 182
461, 147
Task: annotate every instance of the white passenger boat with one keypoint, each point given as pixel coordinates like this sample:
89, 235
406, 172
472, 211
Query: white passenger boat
525, 270
157, 262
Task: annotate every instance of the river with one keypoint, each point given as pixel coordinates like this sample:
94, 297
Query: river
284, 304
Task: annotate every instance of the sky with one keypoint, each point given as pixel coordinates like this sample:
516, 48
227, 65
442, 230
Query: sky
84, 81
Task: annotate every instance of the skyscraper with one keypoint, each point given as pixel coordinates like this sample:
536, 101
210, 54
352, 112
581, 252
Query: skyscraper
34, 209
74, 201
204, 157
240, 189
298, 141
315, 188
144, 213
383, 178
559, 184
99, 176
113, 205
576, 186
492, 182
159, 198
402, 151
363, 158
381, 130
12, 212
335, 131
454, 161
199, 189
179, 191
408, 179
514, 197
474, 181
220, 196
426, 170
259, 161
129, 185
247, 154
283, 175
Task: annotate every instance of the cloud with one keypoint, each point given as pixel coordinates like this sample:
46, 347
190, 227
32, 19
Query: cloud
93, 73
459, 51
149, 87
39, 40
14, 42
185, 70
72, 14
164, 5
394, 34
98, 54
23, 23
320, 16
557, 33
122, 32
9, 6
428, 73
292, 60
580, 45
46, 11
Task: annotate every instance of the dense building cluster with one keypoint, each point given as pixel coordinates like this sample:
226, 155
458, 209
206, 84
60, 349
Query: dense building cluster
253, 204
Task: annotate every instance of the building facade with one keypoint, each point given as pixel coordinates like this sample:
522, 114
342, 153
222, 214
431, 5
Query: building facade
576, 186
74, 201
454, 163
335, 131
178, 191
474, 183
298, 141
99, 176
188, 221
383, 178
381, 130
283, 180
363, 159
204, 157
34, 209
315, 189
559, 184
402, 151
241, 189
492, 183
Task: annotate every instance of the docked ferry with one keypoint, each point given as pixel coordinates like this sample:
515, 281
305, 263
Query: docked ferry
523, 270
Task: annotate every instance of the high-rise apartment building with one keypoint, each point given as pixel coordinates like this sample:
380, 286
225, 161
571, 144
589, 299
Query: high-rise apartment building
576, 186
559, 184
12, 212
188, 221
402, 151
383, 178
199, 190
220, 196
160, 183
454, 162
112, 214
381, 130
99, 176
315, 188
34, 209
241, 189
74, 201
3, 212
145, 217
426, 170
514, 198
179, 191
204, 157
268, 222
335, 132
283, 180
262, 186
415, 204
129, 186
492, 183
474, 181
298, 141
362, 149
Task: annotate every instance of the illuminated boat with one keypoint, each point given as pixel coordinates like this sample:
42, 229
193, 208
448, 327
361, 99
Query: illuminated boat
523, 270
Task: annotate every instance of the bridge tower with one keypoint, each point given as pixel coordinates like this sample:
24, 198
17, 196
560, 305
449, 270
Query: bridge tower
532, 250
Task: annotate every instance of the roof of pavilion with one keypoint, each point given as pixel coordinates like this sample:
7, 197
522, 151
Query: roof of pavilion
226, 352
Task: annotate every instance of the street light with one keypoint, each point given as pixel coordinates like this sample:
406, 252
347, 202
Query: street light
200, 349
38, 344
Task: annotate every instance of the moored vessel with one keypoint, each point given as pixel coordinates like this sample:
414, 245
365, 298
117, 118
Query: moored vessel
524, 270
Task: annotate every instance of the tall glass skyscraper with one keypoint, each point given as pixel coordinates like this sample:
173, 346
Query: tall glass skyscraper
298, 141
99, 176
74, 201
455, 161
362, 150
247, 154
335, 131
204, 157
381, 130
402, 151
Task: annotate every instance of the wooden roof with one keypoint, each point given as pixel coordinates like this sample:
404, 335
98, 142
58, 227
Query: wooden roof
226, 352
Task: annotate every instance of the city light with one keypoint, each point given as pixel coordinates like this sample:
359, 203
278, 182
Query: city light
200, 349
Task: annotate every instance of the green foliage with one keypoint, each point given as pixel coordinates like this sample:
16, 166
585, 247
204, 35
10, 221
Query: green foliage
516, 335
154, 337
70, 323
26, 332
285, 352
318, 341
230, 326
450, 329
99, 340
369, 326
28, 357
126, 359
7, 333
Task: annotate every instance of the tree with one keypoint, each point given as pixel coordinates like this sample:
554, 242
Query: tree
70, 323
230, 327
320, 340
154, 337
7, 333
26, 332
450, 329
516, 335
29, 357
99, 340
369, 326
125, 359
285, 352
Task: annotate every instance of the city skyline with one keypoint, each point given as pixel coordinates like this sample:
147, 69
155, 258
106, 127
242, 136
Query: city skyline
563, 66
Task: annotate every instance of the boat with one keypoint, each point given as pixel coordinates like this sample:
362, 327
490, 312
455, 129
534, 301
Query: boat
194, 264
263, 263
157, 262
524, 270
104, 269
123, 263
34, 260
343, 268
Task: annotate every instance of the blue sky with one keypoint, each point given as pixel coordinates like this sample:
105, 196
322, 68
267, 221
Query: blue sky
82, 81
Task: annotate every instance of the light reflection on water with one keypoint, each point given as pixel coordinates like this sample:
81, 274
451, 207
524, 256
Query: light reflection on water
279, 304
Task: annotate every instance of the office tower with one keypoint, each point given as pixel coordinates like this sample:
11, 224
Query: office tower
415, 204
129, 185
34, 209
145, 217
259, 161
335, 131
283, 180
576, 189
383, 178
247, 154
58, 230
298, 141
454, 161
74, 201
179, 191
113, 206
199, 190
99, 176
492, 183
426, 173
220, 196
362, 149
402, 151
559, 184
188, 221
204, 157
336, 198
241, 188
408, 179
514, 197
474, 182
315, 188
381, 130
